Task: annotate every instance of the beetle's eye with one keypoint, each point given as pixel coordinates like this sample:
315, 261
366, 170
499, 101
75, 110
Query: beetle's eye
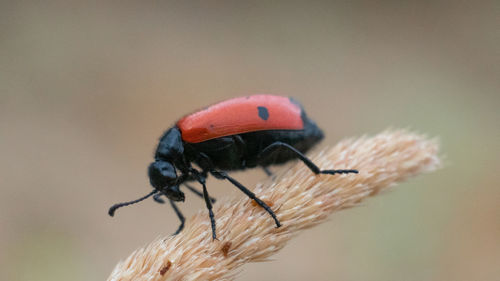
161, 174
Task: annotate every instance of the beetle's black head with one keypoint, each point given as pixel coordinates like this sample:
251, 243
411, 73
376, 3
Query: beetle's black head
163, 178
162, 173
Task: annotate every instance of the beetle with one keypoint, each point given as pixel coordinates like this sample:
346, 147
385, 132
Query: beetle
236, 134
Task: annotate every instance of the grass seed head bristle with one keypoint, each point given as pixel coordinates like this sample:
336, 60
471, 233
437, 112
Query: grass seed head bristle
300, 199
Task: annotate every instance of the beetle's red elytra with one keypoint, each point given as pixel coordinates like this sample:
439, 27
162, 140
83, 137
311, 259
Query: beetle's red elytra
241, 115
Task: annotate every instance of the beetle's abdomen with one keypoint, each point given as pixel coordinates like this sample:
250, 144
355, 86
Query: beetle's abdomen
302, 140
241, 151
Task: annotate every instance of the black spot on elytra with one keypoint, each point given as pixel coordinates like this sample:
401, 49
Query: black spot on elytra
263, 113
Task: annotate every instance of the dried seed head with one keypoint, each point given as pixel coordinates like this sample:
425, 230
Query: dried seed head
301, 200
225, 248
165, 268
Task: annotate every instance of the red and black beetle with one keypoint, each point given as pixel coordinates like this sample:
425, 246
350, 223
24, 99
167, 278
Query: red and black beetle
235, 134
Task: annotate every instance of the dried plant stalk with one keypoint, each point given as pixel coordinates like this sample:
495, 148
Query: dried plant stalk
300, 200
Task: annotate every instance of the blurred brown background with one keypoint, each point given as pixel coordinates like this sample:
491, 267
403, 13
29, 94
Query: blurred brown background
87, 89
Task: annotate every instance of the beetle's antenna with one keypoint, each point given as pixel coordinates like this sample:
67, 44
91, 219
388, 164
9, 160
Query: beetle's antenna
113, 208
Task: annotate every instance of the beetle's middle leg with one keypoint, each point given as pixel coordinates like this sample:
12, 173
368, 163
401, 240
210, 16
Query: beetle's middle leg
267, 171
199, 193
223, 175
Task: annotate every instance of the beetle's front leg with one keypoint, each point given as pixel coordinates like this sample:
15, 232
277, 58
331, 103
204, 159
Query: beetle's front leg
158, 199
201, 179
179, 215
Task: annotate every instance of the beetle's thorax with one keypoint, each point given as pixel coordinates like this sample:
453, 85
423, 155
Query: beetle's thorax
170, 147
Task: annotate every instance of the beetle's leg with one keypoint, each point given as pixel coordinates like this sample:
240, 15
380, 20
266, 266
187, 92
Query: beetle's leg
223, 175
267, 171
179, 214
201, 180
277, 145
158, 199
197, 192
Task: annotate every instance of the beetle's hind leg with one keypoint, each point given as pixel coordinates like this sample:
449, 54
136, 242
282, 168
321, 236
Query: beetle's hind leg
223, 175
268, 152
267, 171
